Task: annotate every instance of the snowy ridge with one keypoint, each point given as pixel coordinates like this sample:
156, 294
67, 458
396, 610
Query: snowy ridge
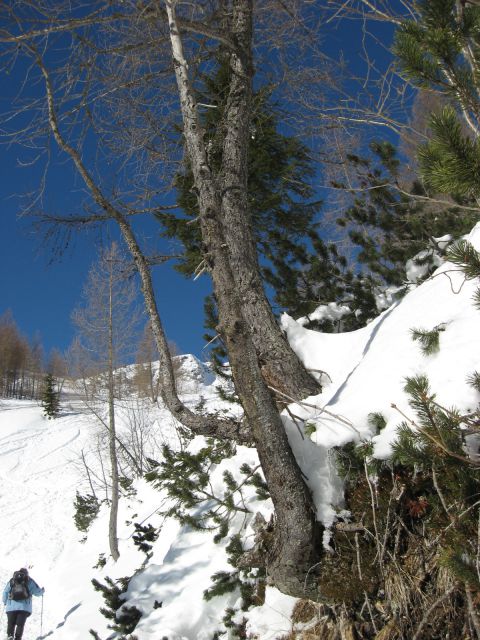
366, 371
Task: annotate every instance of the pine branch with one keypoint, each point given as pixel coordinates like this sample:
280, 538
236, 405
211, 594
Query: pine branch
463, 254
429, 340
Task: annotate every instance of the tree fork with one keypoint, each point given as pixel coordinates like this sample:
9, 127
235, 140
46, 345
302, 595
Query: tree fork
293, 550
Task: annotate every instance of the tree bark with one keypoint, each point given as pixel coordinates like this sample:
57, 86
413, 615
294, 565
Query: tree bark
292, 550
113, 520
280, 366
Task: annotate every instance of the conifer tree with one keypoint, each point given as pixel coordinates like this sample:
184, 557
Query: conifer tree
390, 227
185, 477
295, 262
280, 190
440, 51
123, 618
50, 400
86, 510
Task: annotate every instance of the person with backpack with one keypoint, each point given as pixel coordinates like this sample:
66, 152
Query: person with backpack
17, 598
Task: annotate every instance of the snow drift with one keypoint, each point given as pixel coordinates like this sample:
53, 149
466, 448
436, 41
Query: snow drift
364, 372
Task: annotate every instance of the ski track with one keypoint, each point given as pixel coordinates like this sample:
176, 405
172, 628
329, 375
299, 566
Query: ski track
65, 444
38, 485
39, 478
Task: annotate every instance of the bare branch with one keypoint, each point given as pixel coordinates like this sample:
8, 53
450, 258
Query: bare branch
206, 425
62, 26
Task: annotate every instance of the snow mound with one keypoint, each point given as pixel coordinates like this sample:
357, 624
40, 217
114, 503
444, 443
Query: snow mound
364, 372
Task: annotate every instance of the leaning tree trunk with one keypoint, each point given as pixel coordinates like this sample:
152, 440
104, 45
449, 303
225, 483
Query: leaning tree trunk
292, 551
207, 425
280, 366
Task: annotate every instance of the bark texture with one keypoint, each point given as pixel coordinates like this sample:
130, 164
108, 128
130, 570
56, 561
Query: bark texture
291, 550
280, 366
112, 435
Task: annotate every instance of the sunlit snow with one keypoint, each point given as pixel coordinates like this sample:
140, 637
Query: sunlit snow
363, 372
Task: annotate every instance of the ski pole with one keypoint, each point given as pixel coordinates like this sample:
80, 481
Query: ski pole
41, 619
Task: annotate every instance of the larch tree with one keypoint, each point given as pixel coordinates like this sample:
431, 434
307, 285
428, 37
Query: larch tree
106, 323
17, 379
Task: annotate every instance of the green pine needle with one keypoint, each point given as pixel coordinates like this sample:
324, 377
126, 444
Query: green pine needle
429, 340
377, 421
474, 380
463, 254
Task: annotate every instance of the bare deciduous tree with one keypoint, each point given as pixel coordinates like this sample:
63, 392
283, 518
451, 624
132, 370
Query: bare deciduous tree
21, 363
106, 324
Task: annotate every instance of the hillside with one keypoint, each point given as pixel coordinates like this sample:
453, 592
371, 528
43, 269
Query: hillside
364, 372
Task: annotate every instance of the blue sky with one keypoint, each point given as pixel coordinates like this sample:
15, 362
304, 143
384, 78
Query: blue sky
42, 293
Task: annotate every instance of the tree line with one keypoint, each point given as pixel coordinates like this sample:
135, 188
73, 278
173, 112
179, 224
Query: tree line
23, 365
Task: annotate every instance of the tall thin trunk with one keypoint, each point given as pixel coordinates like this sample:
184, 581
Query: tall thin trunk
112, 526
22, 383
203, 425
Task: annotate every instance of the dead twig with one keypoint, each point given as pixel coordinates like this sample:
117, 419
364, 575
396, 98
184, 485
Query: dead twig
471, 611
295, 421
440, 494
430, 610
359, 564
374, 516
302, 403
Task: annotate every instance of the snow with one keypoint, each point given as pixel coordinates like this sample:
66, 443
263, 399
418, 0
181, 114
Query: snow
418, 267
368, 367
272, 619
331, 311
365, 372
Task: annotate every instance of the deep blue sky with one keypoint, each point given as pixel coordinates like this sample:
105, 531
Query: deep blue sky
42, 294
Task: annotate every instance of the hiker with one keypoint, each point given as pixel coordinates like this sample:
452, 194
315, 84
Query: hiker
17, 598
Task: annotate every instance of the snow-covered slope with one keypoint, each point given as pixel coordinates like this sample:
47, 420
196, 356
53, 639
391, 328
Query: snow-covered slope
40, 472
367, 368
